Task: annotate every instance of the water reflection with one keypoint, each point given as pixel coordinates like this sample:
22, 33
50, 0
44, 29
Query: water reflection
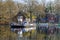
7, 34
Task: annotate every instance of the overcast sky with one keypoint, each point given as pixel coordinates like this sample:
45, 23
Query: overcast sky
21, 1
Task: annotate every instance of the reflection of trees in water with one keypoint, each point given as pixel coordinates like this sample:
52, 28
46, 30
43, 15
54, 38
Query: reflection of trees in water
6, 34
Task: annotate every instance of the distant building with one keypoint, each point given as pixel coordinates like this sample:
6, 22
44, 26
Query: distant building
19, 17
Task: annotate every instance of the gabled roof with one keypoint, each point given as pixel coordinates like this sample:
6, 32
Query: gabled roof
19, 14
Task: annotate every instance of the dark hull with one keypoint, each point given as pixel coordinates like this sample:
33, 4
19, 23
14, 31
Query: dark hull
17, 26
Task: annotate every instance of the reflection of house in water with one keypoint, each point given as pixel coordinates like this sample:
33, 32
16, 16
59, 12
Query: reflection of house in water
19, 17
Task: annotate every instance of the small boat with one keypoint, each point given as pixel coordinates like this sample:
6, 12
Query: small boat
15, 25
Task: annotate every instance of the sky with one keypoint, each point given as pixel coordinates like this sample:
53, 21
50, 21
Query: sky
21, 1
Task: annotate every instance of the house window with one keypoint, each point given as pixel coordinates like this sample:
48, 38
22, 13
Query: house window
20, 19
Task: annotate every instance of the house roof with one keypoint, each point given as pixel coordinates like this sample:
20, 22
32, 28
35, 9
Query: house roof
20, 14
